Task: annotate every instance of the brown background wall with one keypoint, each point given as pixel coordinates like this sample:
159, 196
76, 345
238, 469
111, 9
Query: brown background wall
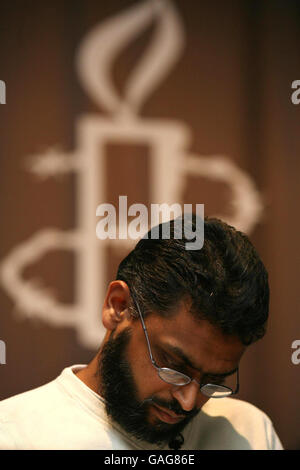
232, 87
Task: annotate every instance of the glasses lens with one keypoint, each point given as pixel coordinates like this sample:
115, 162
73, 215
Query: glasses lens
173, 377
216, 391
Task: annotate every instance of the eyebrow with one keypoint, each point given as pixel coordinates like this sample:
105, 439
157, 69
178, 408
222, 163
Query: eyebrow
179, 353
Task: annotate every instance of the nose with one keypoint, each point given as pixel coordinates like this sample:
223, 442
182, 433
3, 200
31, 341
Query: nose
187, 395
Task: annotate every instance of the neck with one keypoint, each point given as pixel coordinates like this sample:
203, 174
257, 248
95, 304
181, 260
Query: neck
90, 375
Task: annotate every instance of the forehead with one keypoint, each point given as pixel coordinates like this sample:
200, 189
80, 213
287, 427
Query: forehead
205, 345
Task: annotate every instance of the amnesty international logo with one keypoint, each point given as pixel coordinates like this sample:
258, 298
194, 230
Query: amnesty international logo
168, 142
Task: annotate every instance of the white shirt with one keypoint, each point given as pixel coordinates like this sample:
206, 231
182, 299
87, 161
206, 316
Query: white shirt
66, 414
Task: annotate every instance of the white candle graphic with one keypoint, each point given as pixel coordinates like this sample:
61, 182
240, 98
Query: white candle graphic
169, 164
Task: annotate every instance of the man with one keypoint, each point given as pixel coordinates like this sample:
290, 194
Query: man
178, 322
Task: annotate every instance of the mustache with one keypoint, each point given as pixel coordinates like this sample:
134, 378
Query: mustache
172, 406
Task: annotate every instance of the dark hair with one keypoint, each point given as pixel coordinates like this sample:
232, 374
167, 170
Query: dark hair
225, 281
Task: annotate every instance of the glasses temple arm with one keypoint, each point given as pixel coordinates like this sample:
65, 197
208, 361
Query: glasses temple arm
145, 331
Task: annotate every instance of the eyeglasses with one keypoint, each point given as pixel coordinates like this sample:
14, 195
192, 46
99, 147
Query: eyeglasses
179, 379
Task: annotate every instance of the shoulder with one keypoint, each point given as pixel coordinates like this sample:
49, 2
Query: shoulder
233, 408
30, 399
11, 405
39, 400
20, 411
236, 424
62, 414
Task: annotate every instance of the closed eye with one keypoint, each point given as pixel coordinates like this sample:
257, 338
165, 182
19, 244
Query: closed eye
215, 380
167, 361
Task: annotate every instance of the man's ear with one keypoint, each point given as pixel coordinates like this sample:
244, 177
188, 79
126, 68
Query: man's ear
116, 303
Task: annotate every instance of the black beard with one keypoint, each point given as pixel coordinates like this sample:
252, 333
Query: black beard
122, 405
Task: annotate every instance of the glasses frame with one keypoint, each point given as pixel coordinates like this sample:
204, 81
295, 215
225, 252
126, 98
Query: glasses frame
189, 380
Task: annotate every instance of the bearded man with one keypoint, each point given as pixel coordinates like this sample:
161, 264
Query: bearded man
177, 324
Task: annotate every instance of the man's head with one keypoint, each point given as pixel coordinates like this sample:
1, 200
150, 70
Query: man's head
201, 309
